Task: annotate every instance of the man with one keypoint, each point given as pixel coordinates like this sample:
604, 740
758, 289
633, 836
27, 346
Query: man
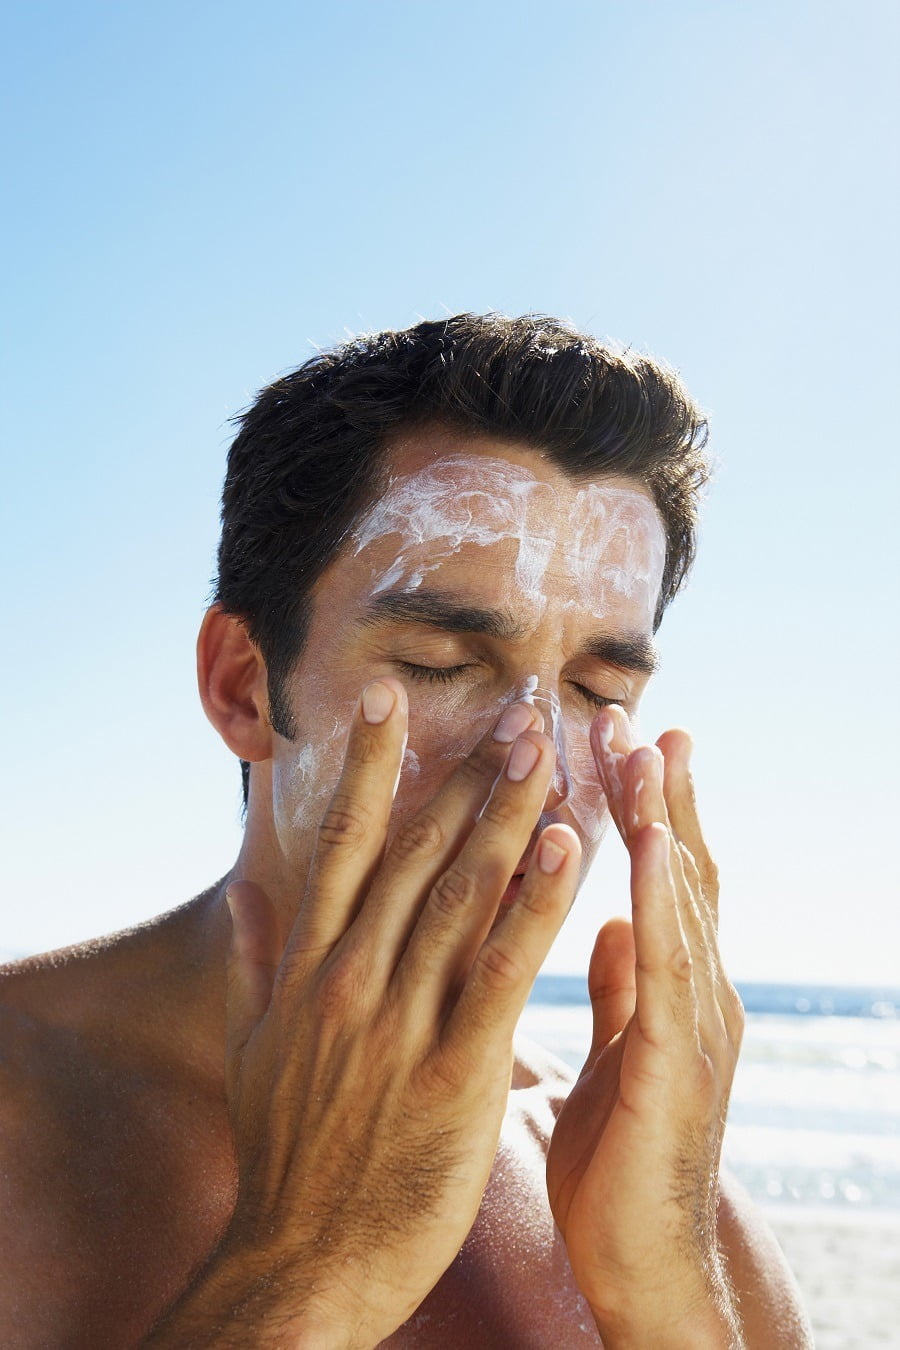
288, 1113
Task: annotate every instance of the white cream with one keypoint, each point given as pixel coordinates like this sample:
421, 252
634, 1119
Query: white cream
594, 540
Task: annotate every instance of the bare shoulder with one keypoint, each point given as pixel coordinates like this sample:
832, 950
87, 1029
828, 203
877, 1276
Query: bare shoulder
771, 1303
103, 1122
47, 1150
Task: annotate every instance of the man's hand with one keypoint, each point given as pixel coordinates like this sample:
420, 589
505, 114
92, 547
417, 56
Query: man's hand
633, 1163
369, 1058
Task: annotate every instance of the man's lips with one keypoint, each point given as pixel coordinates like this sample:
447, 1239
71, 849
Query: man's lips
512, 890
515, 881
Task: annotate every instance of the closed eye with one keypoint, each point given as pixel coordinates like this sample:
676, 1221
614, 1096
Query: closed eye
433, 674
595, 700
446, 674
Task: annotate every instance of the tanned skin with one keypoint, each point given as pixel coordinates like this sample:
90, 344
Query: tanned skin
289, 1113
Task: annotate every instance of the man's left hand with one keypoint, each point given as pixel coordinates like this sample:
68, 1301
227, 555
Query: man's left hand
633, 1163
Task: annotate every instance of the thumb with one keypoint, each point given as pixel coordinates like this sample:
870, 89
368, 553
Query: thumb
253, 959
611, 983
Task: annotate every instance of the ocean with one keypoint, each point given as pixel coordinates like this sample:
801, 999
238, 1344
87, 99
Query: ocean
814, 1120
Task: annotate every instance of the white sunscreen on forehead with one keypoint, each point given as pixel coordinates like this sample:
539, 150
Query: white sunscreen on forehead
604, 537
459, 501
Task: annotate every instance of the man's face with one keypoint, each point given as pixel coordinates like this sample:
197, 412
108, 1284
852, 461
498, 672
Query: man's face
483, 574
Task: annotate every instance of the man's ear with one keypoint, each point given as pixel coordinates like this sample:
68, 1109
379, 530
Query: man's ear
233, 685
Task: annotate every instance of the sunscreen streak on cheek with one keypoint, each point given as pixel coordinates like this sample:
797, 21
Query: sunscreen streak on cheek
308, 772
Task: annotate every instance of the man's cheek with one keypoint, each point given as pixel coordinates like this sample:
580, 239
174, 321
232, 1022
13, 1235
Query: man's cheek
586, 801
435, 748
305, 780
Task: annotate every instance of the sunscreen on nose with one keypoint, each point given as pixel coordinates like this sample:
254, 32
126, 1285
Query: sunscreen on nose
550, 707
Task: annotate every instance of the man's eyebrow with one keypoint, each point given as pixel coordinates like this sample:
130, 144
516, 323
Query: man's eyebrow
631, 652
434, 609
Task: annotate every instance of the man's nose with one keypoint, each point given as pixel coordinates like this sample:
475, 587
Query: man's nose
561, 782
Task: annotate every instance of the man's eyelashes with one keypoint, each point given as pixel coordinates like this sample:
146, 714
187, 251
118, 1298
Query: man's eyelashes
433, 674
446, 675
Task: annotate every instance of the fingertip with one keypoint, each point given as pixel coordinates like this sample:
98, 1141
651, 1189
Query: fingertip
565, 836
614, 928
234, 893
676, 745
646, 759
380, 698
603, 727
615, 938
399, 689
556, 846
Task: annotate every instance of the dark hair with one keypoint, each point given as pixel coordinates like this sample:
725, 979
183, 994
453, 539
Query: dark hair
308, 457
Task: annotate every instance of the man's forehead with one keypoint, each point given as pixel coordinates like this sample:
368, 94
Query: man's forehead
485, 498
523, 515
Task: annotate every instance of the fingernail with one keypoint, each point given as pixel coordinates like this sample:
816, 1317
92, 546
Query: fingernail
516, 719
524, 756
550, 856
377, 702
605, 729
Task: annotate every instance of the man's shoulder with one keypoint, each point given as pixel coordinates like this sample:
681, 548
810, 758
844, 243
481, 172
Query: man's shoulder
63, 1060
105, 1123
46, 1079
540, 1071
38, 1035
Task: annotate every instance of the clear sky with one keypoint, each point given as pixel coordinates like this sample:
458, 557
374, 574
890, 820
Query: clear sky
197, 195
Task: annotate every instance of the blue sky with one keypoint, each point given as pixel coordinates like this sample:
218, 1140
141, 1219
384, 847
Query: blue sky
199, 194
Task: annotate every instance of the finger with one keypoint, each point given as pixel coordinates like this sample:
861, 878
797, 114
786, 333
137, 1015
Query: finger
464, 899
645, 804
665, 997
254, 955
716, 1005
611, 743
681, 801
611, 983
426, 844
351, 836
506, 964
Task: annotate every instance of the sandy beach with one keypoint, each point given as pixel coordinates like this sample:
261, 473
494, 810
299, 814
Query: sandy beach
848, 1268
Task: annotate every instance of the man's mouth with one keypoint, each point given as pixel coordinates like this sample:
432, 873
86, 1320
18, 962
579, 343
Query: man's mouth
515, 881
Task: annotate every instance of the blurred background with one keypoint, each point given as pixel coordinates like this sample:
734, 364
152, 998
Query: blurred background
198, 195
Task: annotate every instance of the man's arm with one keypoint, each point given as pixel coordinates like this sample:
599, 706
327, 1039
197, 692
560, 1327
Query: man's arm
369, 1061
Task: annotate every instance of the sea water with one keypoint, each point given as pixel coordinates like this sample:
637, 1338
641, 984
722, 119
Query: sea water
815, 1109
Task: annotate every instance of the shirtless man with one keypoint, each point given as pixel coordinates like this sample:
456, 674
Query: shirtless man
288, 1113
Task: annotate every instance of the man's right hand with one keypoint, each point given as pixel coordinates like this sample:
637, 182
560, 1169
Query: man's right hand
369, 1061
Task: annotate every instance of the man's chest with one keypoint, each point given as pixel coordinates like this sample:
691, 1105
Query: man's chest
135, 1196
511, 1286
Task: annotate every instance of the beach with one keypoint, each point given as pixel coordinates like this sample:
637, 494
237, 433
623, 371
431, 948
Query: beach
848, 1269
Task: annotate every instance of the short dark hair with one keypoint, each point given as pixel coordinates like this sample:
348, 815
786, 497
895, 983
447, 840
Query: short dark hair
309, 458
